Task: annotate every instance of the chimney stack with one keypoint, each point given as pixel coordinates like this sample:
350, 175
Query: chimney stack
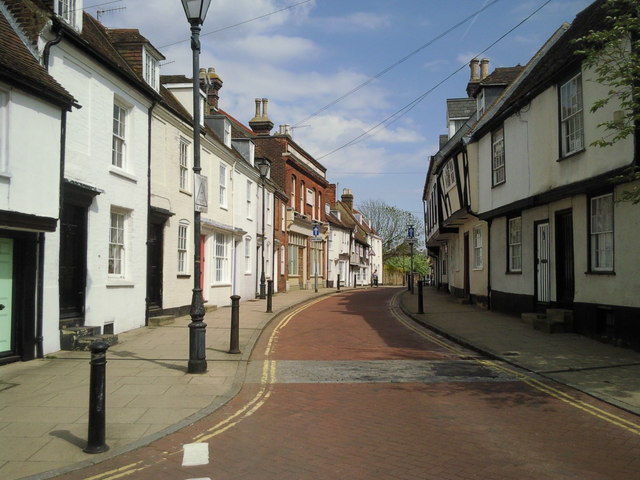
260, 123
213, 90
473, 64
484, 68
347, 198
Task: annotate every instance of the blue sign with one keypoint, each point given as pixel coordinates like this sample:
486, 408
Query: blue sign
411, 232
316, 230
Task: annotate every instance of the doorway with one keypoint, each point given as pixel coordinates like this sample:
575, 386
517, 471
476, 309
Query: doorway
6, 296
542, 262
564, 258
154, 267
73, 258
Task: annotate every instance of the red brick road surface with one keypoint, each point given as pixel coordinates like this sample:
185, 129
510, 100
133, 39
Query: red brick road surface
343, 402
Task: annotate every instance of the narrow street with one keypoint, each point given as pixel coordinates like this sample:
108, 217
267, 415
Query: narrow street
348, 387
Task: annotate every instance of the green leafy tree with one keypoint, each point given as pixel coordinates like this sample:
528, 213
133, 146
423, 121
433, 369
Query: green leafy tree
613, 53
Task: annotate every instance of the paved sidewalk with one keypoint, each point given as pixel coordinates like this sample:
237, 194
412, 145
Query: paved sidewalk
604, 371
44, 403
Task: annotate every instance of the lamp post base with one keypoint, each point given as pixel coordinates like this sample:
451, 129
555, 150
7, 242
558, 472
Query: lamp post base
197, 332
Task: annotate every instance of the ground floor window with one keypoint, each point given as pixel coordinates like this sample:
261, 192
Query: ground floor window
601, 233
221, 258
477, 248
117, 243
515, 244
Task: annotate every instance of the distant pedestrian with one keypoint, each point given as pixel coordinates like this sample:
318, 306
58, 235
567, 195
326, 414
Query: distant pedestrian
375, 278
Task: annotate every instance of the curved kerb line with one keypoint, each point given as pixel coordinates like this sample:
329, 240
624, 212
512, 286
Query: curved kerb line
529, 380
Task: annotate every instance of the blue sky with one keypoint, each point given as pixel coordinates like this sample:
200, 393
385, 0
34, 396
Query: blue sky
306, 57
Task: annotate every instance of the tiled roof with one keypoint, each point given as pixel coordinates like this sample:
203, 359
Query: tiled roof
19, 67
174, 79
460, 107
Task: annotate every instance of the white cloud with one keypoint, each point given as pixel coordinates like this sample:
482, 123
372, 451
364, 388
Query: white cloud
273, 49
357, 20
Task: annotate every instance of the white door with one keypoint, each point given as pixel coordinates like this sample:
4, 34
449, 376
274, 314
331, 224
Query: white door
6, 294
542, 263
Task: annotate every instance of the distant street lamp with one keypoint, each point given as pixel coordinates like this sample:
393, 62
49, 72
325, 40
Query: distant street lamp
263, 165
196, 11
411, 239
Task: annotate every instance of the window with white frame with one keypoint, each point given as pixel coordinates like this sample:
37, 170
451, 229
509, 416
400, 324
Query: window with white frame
119, 131
292, 258
183, 242
497, 157
283, 265
117, 243
477, 248
222, 182
268, 208
151, 69
448, 175
601, 233
319, 206
249, 199
293, 192
316, 258
571, 121
283, 216
303, 190
247, 255
515, 244
4, 128
221, 258
67, 10
480, 103
184, 164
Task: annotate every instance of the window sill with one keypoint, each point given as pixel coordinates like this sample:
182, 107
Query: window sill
122, 174
478, 269
5, 174
183, 275
508, 272
572, 154
609, 273
186, 192
495, 185
120, 283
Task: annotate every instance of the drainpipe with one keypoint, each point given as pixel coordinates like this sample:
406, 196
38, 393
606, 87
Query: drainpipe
489, 264
39, 293
146, 296
46, 52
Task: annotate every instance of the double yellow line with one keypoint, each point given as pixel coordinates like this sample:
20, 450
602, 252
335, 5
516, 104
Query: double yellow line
611, 418
267, 379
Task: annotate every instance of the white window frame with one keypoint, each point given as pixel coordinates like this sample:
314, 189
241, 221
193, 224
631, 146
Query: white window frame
117, 243
302, 194
292, 260
448, 174
514, 244
247, 255
183, 161
66, 9
269, 208
249, 193
222, 182
4, 131
497, 157
601, 239
150, 69
477, 248
293, 191
119, 136
183, 248
571, 116
221, 274
283, 264
283, 216
481, 103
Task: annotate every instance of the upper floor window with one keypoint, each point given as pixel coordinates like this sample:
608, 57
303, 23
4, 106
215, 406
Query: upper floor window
222, 182
67, 10
268, 208
515, 244
184, 164
119, 131
249, 199
601, 233
151, 70
497, 157
571, 122
293, 192
449, 175
247, 255
480, 103
303, 190
4, 128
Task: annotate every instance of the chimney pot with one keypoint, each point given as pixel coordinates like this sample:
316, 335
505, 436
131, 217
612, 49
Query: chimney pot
473, 64
265, 102
484, 68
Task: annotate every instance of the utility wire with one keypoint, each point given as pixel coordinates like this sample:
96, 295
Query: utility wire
393, 65
411, 105
240, 23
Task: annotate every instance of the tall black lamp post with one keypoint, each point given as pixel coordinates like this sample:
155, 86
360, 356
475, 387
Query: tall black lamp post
411, 239
263, 165
196, 11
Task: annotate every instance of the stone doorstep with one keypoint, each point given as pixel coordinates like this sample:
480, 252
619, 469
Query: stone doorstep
161, 320
84, 343
530, 318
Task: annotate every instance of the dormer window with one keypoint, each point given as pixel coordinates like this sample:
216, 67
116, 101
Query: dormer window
481, 103
70, 11
151, 69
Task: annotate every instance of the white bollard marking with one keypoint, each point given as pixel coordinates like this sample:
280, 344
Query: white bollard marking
195, 454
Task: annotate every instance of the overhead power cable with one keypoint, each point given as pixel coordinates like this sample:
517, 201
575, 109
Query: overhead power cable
411, 105
240, 23
395, 64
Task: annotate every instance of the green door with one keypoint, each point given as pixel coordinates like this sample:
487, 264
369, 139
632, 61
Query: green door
6, 294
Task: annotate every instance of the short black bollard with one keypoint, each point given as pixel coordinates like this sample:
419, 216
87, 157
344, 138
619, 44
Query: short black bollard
420, 297
269, 296
355, 283
97, 399
338, 282
408, 282
234, 346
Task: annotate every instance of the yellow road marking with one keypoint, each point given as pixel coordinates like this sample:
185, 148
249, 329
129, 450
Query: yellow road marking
529, 380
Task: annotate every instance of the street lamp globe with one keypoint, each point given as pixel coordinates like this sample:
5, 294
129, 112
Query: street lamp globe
196, 10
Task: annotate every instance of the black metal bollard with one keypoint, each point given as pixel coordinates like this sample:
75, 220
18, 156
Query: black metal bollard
355, 284
338, 282
269, 296
97, 399
420, 297
235, 324
408, 282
